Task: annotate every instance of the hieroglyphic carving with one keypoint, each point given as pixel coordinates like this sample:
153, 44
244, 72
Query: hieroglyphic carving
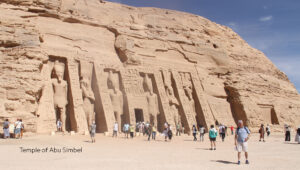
132, 83
87, 92
60, 88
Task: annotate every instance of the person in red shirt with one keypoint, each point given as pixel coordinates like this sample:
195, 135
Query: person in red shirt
231, 128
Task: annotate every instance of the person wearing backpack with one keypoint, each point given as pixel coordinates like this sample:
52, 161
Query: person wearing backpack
6, 129
213, 133
222, 132
241, 140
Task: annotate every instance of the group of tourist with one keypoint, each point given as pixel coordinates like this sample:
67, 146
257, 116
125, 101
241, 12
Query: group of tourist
14, 130
262, 132
287, 131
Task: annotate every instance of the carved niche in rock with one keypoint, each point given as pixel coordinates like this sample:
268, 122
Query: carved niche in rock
116, 95
60, 92
173, 101
86, 71
152, 101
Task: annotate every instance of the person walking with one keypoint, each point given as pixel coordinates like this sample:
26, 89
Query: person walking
22, 129
6, 129
149, 131
132, 128
222, 132
194, 130
178, 129
287, 133
126, 130
298, 135
153, 132
268, 130
18, 126
165, 132
262, 133
93, 131
213, 133
202, 132
59, 125
170, 133
115, 130
232, 129
242, 136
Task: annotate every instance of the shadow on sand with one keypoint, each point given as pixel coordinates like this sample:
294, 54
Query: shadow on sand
223, 162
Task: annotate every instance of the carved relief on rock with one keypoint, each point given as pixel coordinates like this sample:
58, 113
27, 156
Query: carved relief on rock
60, 90
173, 101
116, 95
188, 91
86, 71
152, 101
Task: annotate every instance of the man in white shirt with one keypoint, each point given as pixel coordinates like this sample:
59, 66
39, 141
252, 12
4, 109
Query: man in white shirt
115, 130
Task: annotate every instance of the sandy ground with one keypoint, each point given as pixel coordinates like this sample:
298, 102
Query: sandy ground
110, 153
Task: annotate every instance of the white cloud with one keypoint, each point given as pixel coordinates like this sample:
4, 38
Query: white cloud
233, 26
266, 18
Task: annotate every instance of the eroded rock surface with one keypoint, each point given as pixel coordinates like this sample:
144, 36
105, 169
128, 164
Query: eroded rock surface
199, 72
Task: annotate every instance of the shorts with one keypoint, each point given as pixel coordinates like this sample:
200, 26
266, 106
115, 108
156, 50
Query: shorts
212, 139
242, 146
17, 130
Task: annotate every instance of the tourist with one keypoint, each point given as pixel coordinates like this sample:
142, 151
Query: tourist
18, 126
6, 129
126, 130
241, 140
268, 130
222, 131
213, 133
182, 129
59, 125
178, 129
170, 133
131, 131
194, 130
115, 130
12, 130
297, 139
232, 129
22, 129
287, 133
149, 131
165, 132
93, 131
262, 133
202, 131
153, 132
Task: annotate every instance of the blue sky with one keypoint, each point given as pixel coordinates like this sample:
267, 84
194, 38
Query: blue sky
272, 26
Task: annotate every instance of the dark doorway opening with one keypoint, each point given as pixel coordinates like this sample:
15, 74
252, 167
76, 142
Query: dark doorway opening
274, 119
139, 117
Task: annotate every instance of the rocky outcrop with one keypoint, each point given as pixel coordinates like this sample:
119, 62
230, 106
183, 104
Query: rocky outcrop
200, 72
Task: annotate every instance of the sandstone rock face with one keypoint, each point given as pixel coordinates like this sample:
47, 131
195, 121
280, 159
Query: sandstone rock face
130, 64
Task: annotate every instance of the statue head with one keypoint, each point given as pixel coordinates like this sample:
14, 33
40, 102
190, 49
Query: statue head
112, 81
59, 70
148, 84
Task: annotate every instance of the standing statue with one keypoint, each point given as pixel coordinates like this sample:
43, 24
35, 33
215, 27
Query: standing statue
152, 101
116, 97
60, 89
188, 89
173, 101
88, 100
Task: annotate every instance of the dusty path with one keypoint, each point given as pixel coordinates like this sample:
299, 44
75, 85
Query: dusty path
110, 153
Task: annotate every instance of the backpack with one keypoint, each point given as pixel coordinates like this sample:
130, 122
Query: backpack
247, 130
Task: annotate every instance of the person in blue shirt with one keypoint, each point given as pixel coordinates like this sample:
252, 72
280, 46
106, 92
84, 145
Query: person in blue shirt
213, 133
241, 138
